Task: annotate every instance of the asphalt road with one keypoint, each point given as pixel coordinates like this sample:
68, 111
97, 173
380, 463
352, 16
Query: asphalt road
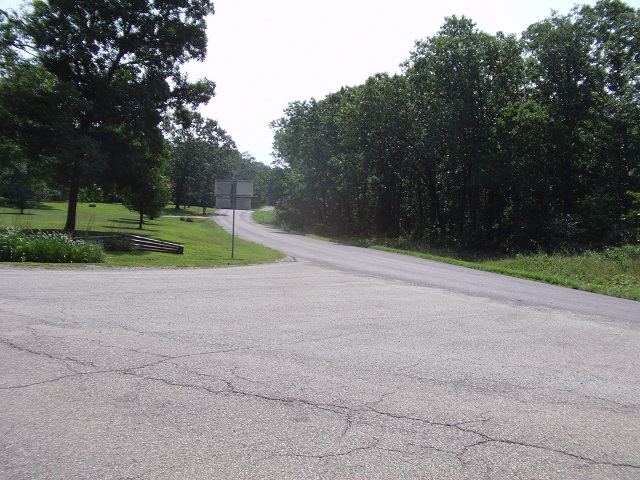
431, 274
307, 369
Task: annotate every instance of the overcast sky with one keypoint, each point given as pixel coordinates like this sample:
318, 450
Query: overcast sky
264, 54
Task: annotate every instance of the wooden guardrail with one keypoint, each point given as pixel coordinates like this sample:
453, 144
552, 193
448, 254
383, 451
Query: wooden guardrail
145, 243
152, 245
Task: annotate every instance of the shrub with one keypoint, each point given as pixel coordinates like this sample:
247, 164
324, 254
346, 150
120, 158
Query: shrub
47, 247
118, 244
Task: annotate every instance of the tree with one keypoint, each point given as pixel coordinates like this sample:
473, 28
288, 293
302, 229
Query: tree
614, 133
374, 175
526, 204
148, 192
200, 152
461, 79
245, 167
19, 187
585, 73
485, 141
115, 66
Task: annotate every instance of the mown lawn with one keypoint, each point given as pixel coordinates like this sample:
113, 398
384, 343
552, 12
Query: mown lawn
206, 244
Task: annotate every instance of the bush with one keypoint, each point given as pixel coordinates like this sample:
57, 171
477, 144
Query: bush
119, 244
54, 247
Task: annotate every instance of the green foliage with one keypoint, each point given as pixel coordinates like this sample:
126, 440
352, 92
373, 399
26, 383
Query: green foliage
265, 217
115, 66
53, 247
244, 167
118, 244
485, 142
147, 193
614, 271
200, 153
19, 187
206, 244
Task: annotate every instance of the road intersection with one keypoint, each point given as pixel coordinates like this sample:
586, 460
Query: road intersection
301, 369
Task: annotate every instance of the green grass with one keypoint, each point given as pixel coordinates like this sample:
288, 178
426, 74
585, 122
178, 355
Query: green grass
615, 272
206, 244
265, 217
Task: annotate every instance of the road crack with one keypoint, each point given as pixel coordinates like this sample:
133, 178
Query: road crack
24, 349
486, 439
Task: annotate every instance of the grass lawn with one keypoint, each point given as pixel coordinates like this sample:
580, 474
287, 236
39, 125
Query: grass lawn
206, 244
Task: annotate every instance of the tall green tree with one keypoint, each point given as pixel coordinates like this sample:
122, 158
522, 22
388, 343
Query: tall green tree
567, 85
305, 140
461, 79
200, 152
614, 132
375, 174
19, 187
115, 67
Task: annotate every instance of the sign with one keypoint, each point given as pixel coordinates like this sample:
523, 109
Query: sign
235, 194
243, 203
223, 188
244, 188
223, 202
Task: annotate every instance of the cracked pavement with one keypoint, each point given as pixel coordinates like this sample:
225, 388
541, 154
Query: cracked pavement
293, 370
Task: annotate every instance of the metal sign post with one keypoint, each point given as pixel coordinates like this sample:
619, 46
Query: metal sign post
233, 230
228, 192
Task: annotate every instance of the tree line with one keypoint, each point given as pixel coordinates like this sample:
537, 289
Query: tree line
94, 105
486, 141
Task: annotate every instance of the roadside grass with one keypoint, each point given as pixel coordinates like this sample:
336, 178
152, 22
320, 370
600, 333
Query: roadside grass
614, 272
206, 244
590, 271
265, 217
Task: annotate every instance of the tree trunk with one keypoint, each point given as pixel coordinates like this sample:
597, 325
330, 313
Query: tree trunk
74, 190
141, 220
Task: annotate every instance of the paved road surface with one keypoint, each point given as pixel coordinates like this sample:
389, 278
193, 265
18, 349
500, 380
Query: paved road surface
301, 370
431, 274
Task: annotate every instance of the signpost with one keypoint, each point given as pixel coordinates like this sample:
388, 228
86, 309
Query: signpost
234, 194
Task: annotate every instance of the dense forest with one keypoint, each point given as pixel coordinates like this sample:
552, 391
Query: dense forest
509, 143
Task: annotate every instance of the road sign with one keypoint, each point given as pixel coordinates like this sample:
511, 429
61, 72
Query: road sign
223, 188
244, 188
235, 194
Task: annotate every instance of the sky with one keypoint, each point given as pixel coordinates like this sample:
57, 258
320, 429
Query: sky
264, 54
